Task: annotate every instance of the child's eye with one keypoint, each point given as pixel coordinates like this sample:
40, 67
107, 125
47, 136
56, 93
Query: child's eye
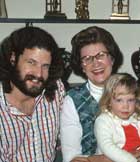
131, 100
118, 100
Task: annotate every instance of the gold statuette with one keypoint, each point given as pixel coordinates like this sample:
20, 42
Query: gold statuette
3, 10
81, 9
120, 10
53, 10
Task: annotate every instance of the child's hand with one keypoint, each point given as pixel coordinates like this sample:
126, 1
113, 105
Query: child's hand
80, 159
138, 148
136, 153
94, 158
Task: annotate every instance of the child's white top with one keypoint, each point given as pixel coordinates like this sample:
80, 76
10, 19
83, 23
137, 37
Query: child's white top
111, 138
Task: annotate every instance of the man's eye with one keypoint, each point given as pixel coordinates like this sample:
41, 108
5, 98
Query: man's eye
30, 62
46, 66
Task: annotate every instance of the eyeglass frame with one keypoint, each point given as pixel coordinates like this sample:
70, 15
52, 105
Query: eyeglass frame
91, 58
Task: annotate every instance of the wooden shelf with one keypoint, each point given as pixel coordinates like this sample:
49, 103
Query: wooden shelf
74, 21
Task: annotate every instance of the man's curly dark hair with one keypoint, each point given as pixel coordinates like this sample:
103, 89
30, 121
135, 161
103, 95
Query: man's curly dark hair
28, 38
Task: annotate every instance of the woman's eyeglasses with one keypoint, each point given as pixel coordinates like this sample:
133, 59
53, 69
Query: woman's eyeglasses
101, 56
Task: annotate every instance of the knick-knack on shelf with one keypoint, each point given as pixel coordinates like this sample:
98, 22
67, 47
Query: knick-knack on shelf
3, 9
135, 61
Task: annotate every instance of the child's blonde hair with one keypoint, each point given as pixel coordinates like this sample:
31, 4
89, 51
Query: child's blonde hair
119, 79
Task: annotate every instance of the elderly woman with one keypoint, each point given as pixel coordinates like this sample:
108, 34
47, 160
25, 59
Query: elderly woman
95, 56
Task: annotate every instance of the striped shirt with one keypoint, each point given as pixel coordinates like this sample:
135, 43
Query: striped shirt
30, 138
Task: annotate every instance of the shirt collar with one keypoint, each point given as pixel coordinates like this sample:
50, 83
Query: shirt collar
13, 109
94, 90
132, 119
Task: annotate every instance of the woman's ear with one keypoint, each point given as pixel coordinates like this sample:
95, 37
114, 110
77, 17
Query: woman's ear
83, 67
112, 60
12, 59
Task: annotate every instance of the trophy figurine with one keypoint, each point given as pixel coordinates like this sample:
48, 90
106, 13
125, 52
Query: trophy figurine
3, 10
81, 9
53, 10
120, 9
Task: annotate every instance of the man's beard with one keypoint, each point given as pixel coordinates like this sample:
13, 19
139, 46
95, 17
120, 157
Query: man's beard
20, 83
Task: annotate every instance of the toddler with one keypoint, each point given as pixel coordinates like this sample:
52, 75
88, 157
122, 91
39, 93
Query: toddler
117, 128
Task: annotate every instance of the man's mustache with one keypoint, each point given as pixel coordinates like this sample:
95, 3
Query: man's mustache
32, 77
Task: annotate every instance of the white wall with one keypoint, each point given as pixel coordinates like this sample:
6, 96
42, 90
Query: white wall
127, 35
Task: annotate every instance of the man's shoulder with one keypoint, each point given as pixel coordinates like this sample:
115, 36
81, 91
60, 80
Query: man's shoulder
60, 85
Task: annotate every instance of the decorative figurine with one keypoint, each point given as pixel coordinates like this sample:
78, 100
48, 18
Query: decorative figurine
3, 10
120, 9
66, 56
81, 9
53, 10
120, 6
55, 5
135, 61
